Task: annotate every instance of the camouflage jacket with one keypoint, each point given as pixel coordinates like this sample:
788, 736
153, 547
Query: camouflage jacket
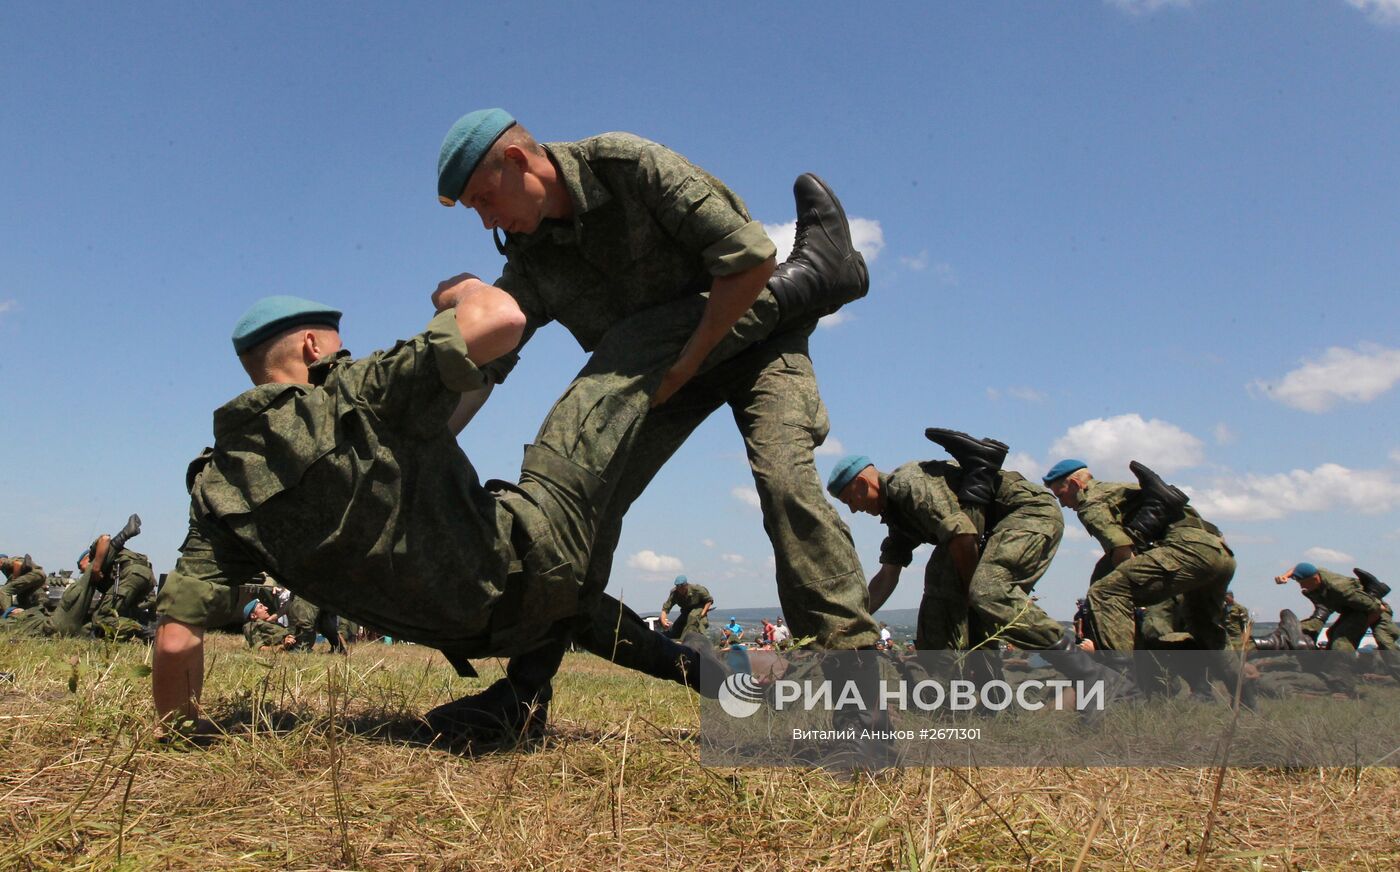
695, 597
648, 227
1105, 507
921, 506
1342, 594
353, 492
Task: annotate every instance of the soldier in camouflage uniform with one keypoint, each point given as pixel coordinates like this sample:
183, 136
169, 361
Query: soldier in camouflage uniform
965, 601
601, 229
343, 479
1236, 623
262, 632
1144, 565
1156, 548
25, 583
994, 534
128, 581
695, 603
1357, 609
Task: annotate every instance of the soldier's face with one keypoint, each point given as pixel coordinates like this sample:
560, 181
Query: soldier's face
507, 194
1066, 490
861, 496
260, 613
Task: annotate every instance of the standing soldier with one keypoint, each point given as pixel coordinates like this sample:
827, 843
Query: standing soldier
25, 583
972, 591
601, 229
694, 601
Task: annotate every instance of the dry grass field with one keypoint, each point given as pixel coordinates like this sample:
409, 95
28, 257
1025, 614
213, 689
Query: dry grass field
319, 770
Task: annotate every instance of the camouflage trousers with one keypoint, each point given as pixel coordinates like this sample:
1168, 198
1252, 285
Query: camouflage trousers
687, 622
605, 426
997, 604
1198, 567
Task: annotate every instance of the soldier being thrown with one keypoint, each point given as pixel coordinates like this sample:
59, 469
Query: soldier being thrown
343, 479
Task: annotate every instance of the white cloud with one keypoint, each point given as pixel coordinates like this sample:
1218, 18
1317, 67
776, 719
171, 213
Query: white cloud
7, 306
746, 495
1107, 444
1223, 434
1395, 455
1379, 11
650, 561
1339, 375
1328, 487
1328, 555
832, 447
1025, 464
1144, 7
866, 235
732, 558
835, 319
1075, 532
917, 263
708, 543
1029, 395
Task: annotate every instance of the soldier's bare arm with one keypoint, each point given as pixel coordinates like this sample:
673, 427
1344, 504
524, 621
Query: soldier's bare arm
730, 297
883, 583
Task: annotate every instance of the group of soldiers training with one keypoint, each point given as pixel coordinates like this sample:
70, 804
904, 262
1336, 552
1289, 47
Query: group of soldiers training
1162, 581
112, 598
342, 477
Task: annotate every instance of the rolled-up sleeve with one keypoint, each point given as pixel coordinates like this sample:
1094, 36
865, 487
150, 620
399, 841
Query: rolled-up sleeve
743, 249
703, 215
455, 369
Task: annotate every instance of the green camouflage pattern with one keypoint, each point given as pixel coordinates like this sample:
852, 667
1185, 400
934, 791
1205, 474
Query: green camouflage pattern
1190, 559
650, 231
1023, 526
649, 228
692, 618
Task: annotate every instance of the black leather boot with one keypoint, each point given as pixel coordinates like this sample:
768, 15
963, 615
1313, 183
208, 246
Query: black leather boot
980, 459
514, 709
824, 270
1161, 504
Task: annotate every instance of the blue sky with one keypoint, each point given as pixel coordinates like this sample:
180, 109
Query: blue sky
1156, 230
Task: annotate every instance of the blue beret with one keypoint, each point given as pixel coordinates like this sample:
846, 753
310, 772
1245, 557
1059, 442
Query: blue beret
271, 315
846, 469
4, 557
85, 552
463, 148
1064, 468
681, 579
248, 609
1304, 570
